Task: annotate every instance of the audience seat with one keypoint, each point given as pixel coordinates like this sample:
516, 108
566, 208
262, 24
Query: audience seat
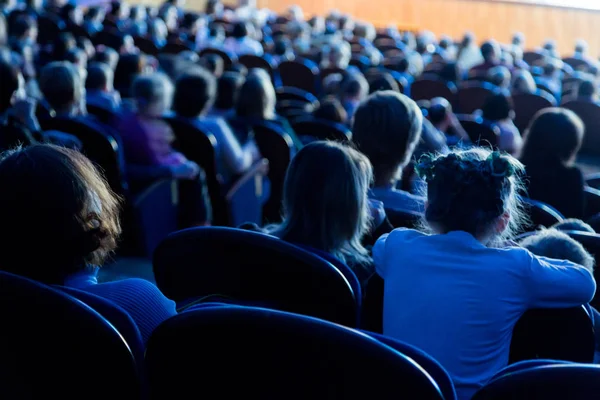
403, 218
175, 47
540, 214
527, 364
251, 61
319, 129
301, 74
533, 58
560, 381
291, 109
557, 334
104, 115
588, 112
292, 93
54, 346
266, 354
528, 105
480, 131
427, 89
228, 58
471, 96
49, 27
252, 268
577, 64
146, 46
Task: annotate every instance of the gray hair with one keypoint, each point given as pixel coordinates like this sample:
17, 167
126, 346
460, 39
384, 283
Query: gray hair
153, 94
552, 243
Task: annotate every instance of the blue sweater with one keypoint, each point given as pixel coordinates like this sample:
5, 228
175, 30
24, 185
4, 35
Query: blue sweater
141, 299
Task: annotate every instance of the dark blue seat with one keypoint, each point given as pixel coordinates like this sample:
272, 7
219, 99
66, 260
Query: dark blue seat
428, 363
541, 214
265, 354
252, 268
523, 365
54, 346
560, 381
320, 129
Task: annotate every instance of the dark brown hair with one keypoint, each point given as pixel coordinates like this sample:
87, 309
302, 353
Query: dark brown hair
58, 214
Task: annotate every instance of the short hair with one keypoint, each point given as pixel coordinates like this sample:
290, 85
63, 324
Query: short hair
213, 63
256, 98
62, 45
354, 85
153, 94
128, 68
331, 109
573, 224
9, 79
334, 214
438, 110
228, 89
61, 85
107, 56
60, 205
383, 81
490, 50
497, 107
240, 30
499, 76
195, 93
554, 136
77, 57
552, 243
523, 82
387, 128
587, 88
450, 72
99, 76
469, 190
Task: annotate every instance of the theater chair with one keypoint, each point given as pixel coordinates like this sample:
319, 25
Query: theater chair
481, 132
251, 61
427, 89
252, 268
588, 112
301, 73
540, 214
311, 129
293, 93
267, 354
228, 58
528, 104
54, 346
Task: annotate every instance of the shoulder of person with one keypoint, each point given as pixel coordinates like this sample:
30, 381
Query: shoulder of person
143, 289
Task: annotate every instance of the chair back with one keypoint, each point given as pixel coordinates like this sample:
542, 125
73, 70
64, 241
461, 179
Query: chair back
251, 61
427, 89
540, 214
533, 57
175, 47
228, 58
472, 95
146, 46
54, 346
295, 94
558, 381
303, 358
103, 114
588, 112
252, 268
320, 129
481, 132
49, 27
291, 109
403, 218
527, 105
577, 64
556, 334
300, 73
591, 242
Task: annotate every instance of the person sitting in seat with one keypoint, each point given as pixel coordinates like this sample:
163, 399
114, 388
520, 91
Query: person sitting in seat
195, 92
442, 117
499, 76
240, 43
387, 127
99, 87
552, 243
75, 229
214, 64
491, 52
523, 83
551, 145
587, 91
330, 109
499, 109
460, 279
228, 91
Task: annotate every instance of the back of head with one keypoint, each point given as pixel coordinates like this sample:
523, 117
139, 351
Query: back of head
195, 92
552, 243
213, 63
354, 86
333, 215
9, 76
331, 109
63, 43
581, 47
61, 85
228, 88
450, 72
439, 110
499, 76
240, 30
100, 77
474, 191
554, 136
107, 56
60, 215
573, 224
128, 68
387, 127
587, 89
498, 107
490, 51
153, 94
256, 98
523, 83
383, 81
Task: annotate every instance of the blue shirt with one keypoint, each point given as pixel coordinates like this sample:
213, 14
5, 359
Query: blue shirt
398, 199
459, 300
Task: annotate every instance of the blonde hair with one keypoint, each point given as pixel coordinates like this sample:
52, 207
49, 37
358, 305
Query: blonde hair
552, 243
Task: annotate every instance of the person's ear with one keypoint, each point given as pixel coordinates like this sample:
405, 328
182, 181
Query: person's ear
502, 222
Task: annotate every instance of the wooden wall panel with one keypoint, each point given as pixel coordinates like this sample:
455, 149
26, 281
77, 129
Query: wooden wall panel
453, 17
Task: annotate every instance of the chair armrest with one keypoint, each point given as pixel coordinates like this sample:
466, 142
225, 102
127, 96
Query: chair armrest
258, 169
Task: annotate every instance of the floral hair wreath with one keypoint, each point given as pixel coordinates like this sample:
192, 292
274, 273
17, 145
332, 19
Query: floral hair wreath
496, 165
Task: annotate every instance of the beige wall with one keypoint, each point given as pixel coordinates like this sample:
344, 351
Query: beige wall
454, 17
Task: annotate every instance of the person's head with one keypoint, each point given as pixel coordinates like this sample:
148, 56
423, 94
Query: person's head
87, 46
100, 77
157, 29
12, 85
217, 32
213, 63
70, 12
498, 107
78, 58
282, 46
240, 30
490, 51
551, 69
138, 13
331, 109
387, 128
61, 86
24, 29
475, 191
168, 13
552, 243
153, 94
438, 112
383, 81
518, 39
228, 89
587, 89
62, 45
334, 214
573, 224
554, 135
581, 47
123, 43
499, 76
450, 72
195, 93
107, 56
523, 83
256, 98
354, 87
60, 205
337, 55
128, 68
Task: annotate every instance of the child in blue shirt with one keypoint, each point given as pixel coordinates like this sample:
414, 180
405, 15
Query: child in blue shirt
454, 293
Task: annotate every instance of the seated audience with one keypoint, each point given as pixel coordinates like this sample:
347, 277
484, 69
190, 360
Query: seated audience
490, 51
442, 117
158, 32
387, 127
382, 81
523, 83
354, 89
75, 238
93, 20
63, 89
587, 91
99, 87
320, 219
550, 79
330, 109
128, 68
195, 92
228, 90
214, 40
240, 43
551, 145
499, 76
107, 56
469, 55
214, 64
466, 286
499, 109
